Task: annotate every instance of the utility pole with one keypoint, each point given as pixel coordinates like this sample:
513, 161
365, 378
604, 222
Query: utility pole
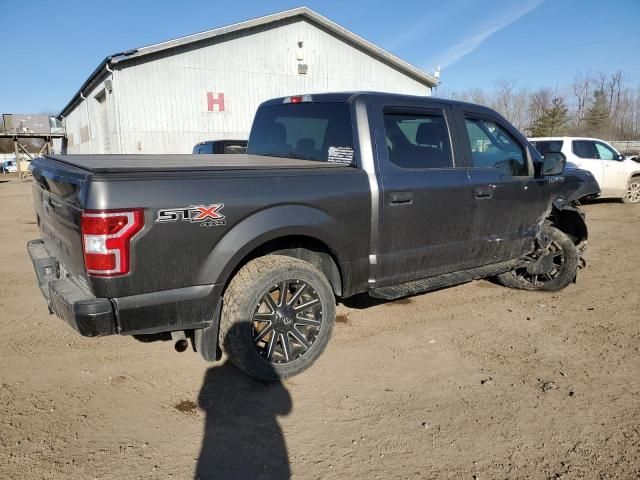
18, 168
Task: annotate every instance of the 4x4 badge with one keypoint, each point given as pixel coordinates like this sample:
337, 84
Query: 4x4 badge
204, 215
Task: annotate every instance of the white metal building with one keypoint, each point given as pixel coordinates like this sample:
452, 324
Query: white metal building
165, 98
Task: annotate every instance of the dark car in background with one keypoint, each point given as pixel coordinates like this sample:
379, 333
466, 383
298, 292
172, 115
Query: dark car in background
220, 147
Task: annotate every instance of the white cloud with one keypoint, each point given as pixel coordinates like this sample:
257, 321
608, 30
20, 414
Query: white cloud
494, 25
424, 25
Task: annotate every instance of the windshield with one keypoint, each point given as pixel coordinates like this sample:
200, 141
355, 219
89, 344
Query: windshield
307, 131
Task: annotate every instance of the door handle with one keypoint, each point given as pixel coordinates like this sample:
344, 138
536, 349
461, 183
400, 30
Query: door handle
484, 192
401, 198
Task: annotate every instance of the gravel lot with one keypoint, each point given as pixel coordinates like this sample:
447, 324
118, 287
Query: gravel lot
476, 381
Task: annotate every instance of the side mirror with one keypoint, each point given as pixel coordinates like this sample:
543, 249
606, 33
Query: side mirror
620, 157
553, 163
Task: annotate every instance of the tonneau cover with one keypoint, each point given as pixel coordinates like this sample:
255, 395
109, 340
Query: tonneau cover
163, 163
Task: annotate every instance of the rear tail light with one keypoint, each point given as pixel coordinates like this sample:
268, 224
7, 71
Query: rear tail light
106, 240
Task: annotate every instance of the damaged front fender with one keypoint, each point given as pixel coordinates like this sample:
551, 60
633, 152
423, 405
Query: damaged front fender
566, 214
579, 184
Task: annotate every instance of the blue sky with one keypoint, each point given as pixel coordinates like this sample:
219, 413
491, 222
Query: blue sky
534, 42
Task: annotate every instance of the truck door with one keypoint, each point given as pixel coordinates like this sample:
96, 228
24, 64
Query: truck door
425, 193
508, 203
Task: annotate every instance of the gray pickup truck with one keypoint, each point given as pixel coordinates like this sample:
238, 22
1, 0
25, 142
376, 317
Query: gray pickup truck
338, 195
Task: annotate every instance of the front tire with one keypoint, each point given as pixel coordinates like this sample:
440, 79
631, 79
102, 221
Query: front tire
278, 316
562, 271
633, 191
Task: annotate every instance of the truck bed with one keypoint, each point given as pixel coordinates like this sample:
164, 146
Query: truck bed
164, 163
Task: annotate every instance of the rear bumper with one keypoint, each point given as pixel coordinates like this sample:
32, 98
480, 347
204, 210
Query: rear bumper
72, 301
69, 299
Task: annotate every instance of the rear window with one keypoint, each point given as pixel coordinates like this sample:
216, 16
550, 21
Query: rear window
544, 146
307, 131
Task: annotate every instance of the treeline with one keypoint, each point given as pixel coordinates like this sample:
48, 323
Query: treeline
594, 105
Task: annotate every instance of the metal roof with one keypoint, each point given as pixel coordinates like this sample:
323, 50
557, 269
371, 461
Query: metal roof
303, 12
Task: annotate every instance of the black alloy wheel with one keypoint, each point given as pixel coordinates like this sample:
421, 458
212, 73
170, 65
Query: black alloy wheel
277, 317
552, 270
287, 321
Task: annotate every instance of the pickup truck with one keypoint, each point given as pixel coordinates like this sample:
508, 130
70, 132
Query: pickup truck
338, 194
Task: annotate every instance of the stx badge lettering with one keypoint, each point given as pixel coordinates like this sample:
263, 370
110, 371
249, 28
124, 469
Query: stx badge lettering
204, 215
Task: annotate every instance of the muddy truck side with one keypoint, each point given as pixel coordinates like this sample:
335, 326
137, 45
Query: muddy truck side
337, 195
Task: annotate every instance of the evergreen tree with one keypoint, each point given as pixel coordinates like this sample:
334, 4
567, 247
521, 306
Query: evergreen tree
552, 121
597, 117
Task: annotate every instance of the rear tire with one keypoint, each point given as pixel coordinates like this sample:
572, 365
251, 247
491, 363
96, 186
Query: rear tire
633, 191
277, 318
565, 259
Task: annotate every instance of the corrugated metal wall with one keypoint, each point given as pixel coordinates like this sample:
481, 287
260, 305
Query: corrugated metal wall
85, 123
159, 102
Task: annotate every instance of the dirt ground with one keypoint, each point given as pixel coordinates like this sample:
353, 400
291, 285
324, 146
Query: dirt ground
476, 381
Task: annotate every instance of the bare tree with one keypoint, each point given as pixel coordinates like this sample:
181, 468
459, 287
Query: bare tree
614, 87
511, 102
614, 91
477, 95
601, 81
635, 122
539, 102
527, 109
473, 95
503, 97
582, 91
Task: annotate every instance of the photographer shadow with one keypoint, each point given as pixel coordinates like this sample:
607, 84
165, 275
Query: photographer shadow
242, 438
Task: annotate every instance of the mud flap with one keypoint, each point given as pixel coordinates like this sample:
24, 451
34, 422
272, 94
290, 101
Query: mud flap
205, 340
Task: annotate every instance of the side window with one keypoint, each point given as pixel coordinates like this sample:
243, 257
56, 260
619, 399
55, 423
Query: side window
492, 146
605, 152
584, 149
417, 140
544, 146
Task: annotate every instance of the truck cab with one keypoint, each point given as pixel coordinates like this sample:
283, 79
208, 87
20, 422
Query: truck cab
453, 185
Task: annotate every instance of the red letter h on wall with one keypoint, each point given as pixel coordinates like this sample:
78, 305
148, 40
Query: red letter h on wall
213, 101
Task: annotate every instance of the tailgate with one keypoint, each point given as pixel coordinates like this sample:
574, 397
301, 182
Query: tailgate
57, 199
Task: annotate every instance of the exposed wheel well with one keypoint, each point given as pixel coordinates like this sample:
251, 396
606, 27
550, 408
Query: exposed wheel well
570, 221
305, 248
